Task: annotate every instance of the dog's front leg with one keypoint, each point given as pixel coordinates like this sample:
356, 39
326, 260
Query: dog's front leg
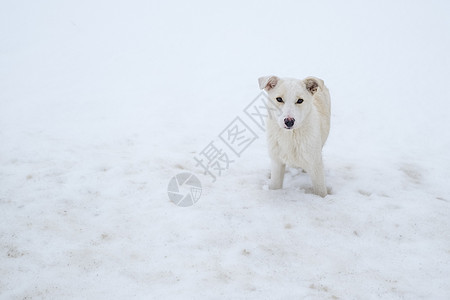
318, 177
276, 175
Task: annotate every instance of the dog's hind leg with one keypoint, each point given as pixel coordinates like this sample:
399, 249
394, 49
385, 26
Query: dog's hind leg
276, 175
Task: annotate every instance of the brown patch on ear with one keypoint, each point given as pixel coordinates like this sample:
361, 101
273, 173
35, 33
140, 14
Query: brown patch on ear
268, 82
311, 85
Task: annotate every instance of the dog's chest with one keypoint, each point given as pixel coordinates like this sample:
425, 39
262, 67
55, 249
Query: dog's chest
292, 148
292, 151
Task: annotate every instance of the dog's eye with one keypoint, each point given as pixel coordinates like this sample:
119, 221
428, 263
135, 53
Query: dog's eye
300, 101
279, 99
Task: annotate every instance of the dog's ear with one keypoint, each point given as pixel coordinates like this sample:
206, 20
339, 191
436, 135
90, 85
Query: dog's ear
268, 82
312, 84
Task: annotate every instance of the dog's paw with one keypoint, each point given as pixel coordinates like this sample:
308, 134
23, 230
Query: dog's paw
275, 186
321, 192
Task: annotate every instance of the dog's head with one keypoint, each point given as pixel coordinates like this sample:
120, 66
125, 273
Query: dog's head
294, 98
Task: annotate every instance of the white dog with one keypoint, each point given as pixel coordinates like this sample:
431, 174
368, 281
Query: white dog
297, 135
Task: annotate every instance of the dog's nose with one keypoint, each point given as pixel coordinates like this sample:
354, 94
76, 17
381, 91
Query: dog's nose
289, 122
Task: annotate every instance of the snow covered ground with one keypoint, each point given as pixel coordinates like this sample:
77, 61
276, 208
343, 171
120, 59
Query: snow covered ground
103, 102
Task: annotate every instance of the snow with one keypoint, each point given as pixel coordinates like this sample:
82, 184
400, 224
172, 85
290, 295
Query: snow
102, 103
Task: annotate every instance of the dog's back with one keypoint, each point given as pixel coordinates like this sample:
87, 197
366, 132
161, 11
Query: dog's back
323, 105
